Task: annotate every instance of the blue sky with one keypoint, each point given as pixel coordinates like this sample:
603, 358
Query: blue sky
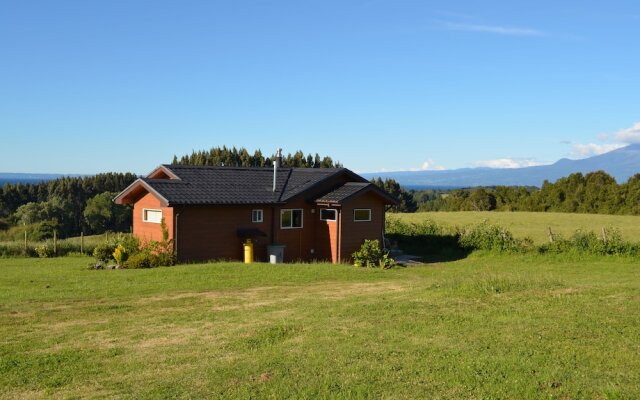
379, 85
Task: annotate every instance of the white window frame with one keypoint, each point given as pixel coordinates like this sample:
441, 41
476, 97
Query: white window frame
329, 209
292, 210
361, 220
260, 213
144, 215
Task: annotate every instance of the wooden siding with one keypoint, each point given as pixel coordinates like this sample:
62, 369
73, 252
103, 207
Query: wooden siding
353, 234
211, 232
146, 231
298, 241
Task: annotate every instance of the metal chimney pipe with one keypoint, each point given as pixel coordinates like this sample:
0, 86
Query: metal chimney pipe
276, 165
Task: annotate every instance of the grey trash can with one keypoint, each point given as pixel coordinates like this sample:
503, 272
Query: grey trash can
276, 253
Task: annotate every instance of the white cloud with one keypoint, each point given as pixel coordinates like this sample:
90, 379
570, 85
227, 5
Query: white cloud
579, 150
429, 165
629, 135
507, 162
496, 29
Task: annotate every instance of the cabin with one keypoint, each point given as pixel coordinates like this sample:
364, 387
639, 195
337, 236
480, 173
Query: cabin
322, 214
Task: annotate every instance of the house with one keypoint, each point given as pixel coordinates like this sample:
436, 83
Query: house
316, 213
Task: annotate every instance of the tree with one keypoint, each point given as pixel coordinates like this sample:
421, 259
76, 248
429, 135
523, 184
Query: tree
481, 200
406, 201
102, 214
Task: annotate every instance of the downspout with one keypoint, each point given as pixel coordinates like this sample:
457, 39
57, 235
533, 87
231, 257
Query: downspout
175, 235
339, 238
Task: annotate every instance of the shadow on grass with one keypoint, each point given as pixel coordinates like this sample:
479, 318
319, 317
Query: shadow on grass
430, 248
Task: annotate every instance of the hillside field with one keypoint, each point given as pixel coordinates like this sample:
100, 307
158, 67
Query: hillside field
533, 224
525, 327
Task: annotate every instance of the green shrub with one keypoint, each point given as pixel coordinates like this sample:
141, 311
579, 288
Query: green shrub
492, 238
44, 251
104, 251
120, 254
371, 255
130, 243
139, 260
589, 243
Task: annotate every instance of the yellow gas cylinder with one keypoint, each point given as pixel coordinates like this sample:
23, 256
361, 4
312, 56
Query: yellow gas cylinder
248, 252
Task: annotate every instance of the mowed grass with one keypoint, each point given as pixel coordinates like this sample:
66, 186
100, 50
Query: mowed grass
534, 224
483, 327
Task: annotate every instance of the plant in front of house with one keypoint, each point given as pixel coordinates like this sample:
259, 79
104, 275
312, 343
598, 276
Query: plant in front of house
153, 253
118, 248
371, 255
120, 254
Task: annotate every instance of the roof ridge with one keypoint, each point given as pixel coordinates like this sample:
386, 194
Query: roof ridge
265, 168
284, 186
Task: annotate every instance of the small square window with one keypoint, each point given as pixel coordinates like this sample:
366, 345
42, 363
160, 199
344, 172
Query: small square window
328, 214
256, 216
154, 216
362, 214
290, 219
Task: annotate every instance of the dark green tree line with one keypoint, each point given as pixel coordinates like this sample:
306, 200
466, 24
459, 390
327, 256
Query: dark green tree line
233, 157
61, 204
593, 193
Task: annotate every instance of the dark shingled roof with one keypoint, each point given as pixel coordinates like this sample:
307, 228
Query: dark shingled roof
343, 192
350, 189
235, 185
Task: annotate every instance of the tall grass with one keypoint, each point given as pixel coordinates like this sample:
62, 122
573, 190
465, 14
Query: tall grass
45, 248
428, 238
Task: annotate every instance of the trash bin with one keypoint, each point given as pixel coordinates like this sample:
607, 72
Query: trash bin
248, 251
276, 253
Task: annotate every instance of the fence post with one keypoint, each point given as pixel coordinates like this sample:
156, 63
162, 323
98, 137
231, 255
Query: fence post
82, 242
55, 244
550, 235
25, 242
604, 235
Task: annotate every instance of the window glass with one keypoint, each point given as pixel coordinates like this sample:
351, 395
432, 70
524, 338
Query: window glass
256, 216
291, 218
154, 216
362, 214
297, 219
328, 214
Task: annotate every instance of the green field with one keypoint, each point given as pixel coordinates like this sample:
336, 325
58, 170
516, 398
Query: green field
534, 225
483, 327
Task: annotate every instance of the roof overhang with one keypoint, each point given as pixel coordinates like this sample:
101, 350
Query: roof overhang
134, 192
371, 188
162, 171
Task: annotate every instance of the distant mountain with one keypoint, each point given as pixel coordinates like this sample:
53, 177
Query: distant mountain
11, 177
621, 164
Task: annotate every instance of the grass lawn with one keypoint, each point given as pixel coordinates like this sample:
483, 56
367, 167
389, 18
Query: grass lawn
535, 225
482, 327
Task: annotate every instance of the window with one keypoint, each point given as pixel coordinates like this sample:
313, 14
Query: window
256, 215
290, 219
154, 216
362, 214
328, 214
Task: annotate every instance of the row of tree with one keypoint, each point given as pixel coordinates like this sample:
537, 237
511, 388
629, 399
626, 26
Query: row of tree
233, 157
68, 205
595, 193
